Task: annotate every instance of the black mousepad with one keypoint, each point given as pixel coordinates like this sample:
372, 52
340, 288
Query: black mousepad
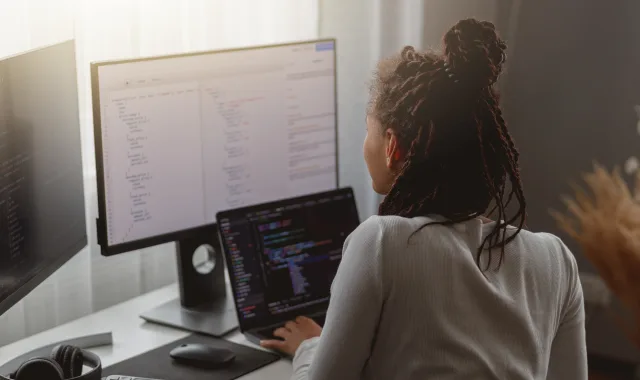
157, 364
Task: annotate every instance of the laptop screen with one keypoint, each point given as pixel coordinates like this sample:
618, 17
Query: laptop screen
282, 256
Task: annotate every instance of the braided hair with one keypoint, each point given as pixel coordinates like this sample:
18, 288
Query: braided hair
460, 161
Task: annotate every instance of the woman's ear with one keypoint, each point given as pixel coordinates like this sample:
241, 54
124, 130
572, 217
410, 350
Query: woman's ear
392, 148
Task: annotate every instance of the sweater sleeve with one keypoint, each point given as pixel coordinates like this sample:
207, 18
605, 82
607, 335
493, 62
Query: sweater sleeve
353, 315
568, 359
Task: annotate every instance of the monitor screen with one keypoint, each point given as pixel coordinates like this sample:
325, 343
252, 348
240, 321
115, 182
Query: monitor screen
179, 138
42, 213
282, 256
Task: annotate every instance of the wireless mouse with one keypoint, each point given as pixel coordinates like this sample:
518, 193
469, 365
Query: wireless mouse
202, 356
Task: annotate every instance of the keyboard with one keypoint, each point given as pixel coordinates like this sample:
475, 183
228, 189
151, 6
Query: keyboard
268, 332
120, 377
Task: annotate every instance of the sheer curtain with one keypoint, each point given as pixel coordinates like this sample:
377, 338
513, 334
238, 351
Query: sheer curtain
112, 29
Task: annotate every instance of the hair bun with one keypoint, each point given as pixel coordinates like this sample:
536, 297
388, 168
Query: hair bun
475, 51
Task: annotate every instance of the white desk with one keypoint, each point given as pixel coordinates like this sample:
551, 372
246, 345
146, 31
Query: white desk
131, 335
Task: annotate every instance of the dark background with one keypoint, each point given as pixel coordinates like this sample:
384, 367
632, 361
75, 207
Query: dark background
571, 83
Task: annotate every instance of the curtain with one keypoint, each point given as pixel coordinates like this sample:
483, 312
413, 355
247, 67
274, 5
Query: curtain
115, 29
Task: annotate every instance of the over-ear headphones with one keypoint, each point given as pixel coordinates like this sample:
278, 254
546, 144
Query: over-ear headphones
65, 363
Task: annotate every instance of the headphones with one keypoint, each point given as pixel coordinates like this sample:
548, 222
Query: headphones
65, 363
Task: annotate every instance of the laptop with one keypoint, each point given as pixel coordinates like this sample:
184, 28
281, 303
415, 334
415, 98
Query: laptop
283, 256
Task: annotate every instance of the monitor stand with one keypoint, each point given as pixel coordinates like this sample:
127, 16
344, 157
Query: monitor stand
205, 306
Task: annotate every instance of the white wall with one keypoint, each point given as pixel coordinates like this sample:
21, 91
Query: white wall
440, 15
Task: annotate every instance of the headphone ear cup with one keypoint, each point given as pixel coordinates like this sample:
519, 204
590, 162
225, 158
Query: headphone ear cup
69, 358
39, 369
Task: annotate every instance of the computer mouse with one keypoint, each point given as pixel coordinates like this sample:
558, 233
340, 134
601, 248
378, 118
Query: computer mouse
202, 356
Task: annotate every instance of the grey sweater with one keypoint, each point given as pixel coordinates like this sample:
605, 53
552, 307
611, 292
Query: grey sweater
421, 308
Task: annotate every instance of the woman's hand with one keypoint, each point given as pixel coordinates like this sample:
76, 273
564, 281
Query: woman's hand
293, 334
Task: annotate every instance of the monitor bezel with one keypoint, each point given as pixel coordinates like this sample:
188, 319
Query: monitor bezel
101, 224
273, 319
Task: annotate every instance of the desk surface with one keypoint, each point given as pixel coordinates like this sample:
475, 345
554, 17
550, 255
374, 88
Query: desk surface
131, 335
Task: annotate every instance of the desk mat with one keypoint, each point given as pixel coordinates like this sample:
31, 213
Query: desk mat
157, 364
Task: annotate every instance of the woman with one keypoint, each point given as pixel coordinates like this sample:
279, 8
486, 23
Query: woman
430, 288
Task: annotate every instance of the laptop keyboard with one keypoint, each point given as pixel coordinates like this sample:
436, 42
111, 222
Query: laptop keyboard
268, 332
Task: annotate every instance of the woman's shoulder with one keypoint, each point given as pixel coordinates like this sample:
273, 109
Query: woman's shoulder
396, 223
396, 228
379, 224
380, 234
550, 243
389, 227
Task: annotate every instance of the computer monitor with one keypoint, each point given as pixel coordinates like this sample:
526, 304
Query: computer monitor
181, 137
42, 211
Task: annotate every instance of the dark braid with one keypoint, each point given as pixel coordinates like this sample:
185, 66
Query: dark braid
458, 153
